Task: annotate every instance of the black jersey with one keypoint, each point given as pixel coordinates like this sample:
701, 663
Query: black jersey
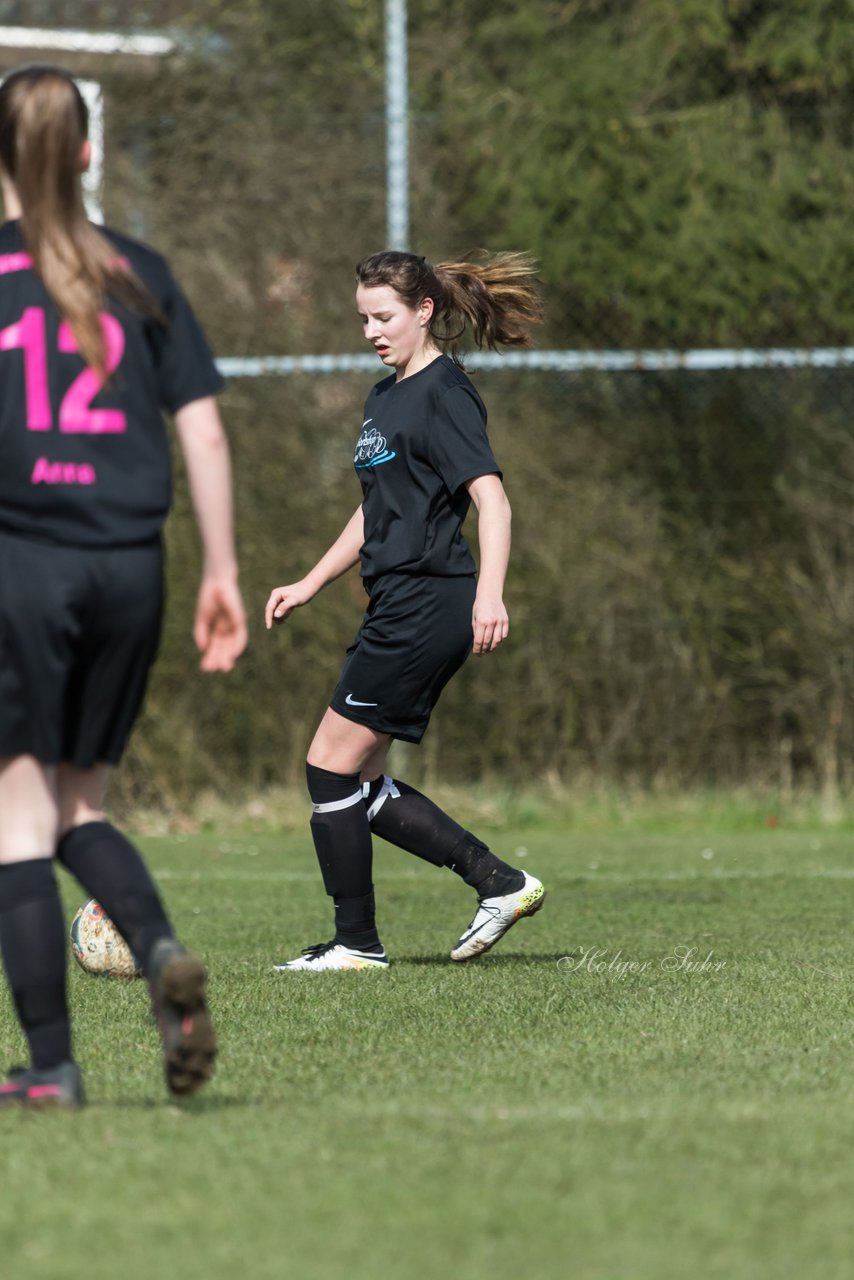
422, 438
81, 465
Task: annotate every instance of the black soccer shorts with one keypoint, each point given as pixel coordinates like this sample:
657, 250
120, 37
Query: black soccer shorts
79, 630
416, 633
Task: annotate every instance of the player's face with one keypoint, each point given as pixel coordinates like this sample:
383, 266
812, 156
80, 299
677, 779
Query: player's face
395, 331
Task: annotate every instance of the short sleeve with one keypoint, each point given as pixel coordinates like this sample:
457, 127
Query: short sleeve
186, 368
459, 448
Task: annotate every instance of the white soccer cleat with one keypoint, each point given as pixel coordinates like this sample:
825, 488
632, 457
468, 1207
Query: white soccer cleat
496, 915
334, 957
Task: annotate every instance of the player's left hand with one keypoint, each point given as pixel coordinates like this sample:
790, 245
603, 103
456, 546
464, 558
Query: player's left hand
490, 623
220, 629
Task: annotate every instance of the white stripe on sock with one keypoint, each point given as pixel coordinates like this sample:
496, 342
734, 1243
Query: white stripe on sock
387, 789
333, 805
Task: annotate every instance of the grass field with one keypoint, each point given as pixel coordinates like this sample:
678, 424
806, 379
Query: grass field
581, 1102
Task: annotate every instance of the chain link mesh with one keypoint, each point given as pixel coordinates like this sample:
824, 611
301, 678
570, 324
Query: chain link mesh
682, 591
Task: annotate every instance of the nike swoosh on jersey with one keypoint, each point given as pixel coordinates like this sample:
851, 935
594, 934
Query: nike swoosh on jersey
351, 702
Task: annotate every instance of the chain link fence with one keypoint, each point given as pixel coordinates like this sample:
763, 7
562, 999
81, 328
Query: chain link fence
682, 588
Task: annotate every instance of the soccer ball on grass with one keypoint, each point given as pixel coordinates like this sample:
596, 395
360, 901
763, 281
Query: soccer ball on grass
98, 946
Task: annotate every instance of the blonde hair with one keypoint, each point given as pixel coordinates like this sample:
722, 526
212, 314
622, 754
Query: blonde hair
497, 298
43, 126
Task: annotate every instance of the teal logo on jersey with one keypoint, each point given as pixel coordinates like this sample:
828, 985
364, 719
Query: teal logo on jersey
371, 448
375, 462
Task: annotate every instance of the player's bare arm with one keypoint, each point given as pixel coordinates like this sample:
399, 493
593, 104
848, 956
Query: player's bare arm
219, 628
490, 622
341, 556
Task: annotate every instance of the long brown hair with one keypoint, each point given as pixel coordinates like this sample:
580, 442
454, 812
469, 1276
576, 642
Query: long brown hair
497, 297
43, 126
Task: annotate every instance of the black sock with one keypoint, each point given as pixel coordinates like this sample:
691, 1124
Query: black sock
355, 923
111, 869
32, 939
406, 818
342, 841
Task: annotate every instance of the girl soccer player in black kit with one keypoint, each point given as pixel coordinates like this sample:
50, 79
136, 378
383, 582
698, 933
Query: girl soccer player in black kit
95, 337
422, 458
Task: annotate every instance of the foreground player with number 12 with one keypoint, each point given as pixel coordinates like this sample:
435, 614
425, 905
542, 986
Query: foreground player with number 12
422, 458
95, 338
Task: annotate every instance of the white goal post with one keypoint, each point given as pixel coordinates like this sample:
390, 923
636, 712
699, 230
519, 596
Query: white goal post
30, 44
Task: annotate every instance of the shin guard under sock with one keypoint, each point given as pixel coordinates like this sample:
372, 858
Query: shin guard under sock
410, 820
111, 869
32, 939
342, 841
355, 922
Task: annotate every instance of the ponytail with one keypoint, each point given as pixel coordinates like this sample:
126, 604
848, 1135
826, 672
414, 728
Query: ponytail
43, 126
496, 297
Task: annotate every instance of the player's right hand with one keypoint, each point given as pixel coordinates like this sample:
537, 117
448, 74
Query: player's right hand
283, 601
220, 625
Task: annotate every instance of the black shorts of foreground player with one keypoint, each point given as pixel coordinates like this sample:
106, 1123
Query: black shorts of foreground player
95, 340
422, 458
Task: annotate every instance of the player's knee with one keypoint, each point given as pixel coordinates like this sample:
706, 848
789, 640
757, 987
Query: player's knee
78, 816
329, 788
27, 845
27, 833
